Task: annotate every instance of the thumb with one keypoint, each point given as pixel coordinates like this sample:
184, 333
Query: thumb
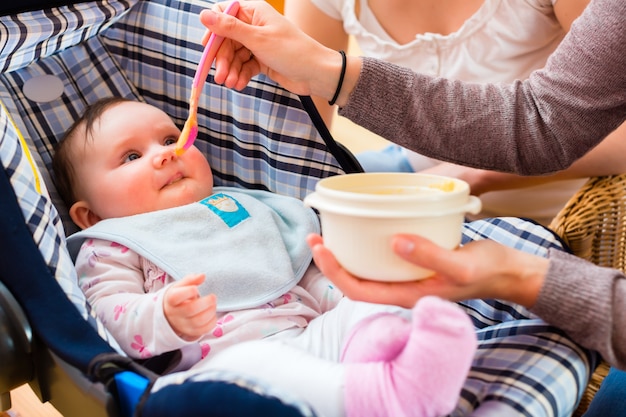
427, 254
183, 290
223, 24
191, 279
420, 251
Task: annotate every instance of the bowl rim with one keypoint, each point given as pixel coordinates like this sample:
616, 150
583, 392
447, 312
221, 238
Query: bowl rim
327, 186
317, 201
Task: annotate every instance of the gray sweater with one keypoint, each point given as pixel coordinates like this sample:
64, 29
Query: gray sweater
536, 126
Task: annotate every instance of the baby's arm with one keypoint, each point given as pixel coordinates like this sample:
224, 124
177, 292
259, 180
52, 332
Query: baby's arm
190, 315
113, 280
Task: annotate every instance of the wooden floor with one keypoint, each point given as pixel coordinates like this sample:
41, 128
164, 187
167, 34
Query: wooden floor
26, 404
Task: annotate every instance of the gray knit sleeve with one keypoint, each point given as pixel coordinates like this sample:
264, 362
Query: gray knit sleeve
588, 302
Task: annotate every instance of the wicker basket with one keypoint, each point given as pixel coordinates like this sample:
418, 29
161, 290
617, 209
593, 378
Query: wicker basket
593, 224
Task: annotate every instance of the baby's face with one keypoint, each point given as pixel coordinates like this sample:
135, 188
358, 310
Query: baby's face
129, 166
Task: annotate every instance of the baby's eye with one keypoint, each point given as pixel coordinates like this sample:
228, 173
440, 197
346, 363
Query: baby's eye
170, 141
131, 157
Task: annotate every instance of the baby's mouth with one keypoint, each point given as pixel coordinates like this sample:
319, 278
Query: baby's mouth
174, 179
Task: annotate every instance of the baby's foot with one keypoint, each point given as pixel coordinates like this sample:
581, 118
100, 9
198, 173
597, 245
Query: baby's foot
378, 338
425, 377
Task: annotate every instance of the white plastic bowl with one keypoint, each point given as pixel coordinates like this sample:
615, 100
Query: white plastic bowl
360, 213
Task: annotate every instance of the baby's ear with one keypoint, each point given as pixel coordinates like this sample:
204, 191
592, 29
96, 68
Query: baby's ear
82, 215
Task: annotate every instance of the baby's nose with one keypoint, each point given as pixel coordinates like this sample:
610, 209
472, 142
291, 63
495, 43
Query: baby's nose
165, 155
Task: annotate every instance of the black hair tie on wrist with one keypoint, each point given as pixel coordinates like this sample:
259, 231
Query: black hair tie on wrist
340, 83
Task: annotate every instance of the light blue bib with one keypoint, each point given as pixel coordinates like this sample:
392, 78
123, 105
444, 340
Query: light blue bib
250, 244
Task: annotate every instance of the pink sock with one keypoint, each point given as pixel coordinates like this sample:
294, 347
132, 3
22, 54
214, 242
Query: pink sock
365, 344
422, 372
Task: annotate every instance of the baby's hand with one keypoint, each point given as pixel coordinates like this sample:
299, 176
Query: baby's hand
190, 315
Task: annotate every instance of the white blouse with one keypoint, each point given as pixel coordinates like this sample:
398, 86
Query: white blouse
503, 41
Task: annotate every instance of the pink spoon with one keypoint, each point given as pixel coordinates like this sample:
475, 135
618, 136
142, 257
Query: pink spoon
190, 130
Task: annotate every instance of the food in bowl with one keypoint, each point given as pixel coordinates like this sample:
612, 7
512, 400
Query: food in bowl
360, 213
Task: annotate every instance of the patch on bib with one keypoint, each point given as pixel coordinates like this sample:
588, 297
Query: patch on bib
226, 208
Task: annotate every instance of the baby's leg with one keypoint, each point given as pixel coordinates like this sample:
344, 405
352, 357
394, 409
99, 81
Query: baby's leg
325, 335
395, 368
292, 374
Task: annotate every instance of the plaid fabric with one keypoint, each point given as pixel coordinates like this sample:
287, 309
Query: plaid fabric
27, 37
523, 366
258, 138
88, 73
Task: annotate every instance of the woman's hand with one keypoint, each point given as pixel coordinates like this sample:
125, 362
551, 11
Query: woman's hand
259, 39
480, 269
190, 315
482, 181
479, 180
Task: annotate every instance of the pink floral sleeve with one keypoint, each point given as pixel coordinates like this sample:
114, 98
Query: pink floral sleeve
114, 281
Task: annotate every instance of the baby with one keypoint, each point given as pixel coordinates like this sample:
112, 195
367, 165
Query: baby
168, 261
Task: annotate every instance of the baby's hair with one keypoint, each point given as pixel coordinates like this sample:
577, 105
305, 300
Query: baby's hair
62, 166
